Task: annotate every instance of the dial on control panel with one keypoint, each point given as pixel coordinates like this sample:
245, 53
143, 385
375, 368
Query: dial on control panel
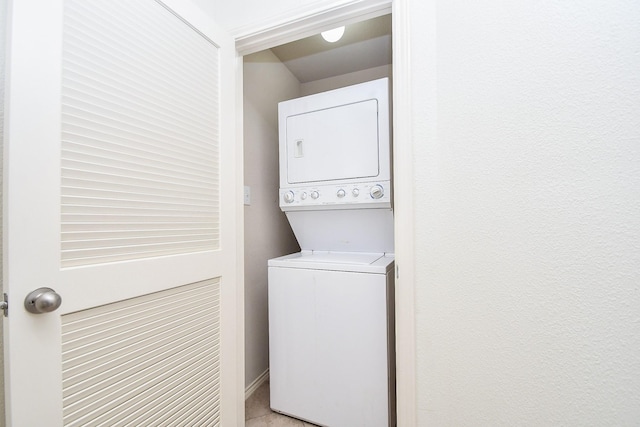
289, 196
376, 191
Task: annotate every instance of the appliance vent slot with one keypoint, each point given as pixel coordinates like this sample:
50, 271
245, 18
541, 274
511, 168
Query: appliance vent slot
149, 361
140, 134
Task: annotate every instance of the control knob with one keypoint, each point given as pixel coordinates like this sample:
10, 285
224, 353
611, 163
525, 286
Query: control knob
315, 194
289, 196
377, 191
355, 192
341, 193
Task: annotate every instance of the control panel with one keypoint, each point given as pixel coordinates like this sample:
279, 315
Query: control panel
337, 196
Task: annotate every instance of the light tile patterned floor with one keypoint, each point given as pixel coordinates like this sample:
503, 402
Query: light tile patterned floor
259, 414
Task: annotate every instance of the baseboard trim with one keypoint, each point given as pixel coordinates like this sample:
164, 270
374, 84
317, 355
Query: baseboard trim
256, 384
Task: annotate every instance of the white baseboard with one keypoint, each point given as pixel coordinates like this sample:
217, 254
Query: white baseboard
256, 384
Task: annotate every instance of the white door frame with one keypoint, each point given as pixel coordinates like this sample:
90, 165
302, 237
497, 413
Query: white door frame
311, 20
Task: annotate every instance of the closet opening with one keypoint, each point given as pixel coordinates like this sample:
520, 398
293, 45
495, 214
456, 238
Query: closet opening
303, 67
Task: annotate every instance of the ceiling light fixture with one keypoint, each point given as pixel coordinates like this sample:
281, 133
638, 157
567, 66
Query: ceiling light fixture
334, 35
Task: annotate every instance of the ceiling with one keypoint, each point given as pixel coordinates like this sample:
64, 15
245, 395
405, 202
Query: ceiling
365, 44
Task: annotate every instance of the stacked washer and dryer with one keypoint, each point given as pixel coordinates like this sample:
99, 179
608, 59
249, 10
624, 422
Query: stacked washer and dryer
331, 308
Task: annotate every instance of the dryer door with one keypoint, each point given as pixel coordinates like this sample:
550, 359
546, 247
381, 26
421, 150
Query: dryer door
335, 143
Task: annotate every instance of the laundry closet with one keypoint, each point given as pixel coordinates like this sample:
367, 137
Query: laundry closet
286, 72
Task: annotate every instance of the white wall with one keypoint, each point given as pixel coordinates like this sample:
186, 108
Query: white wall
267, 233
527, 172
233, 15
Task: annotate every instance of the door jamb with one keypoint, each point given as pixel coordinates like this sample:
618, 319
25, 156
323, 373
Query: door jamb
305, 22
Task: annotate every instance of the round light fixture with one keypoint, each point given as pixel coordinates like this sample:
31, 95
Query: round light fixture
334, 35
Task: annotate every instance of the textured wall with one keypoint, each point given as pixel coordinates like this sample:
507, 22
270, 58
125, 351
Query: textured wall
528, 212
267, 232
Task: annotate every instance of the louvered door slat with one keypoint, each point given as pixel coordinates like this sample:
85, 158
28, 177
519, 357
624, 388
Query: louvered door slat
123, 327
127, 97
126, 361
124, 349
141, 387
111, 159
95, 135
87, 378
75, 186
126, 24
171, 402
94, 143
104, 165
140, 137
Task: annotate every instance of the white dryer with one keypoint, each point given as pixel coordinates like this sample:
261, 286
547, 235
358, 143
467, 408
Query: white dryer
331, 333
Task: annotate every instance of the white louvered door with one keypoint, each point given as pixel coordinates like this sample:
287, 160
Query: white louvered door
120, 194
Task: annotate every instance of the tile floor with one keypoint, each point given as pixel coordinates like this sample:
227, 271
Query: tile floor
258, 413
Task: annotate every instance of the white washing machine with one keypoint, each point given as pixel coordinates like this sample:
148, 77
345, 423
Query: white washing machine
331, 333
331, 338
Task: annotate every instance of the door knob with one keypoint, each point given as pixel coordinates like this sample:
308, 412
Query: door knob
42, 300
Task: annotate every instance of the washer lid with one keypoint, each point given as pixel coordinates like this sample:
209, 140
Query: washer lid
357, 262
354, 258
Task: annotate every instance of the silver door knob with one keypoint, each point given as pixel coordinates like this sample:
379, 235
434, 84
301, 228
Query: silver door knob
42, 300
